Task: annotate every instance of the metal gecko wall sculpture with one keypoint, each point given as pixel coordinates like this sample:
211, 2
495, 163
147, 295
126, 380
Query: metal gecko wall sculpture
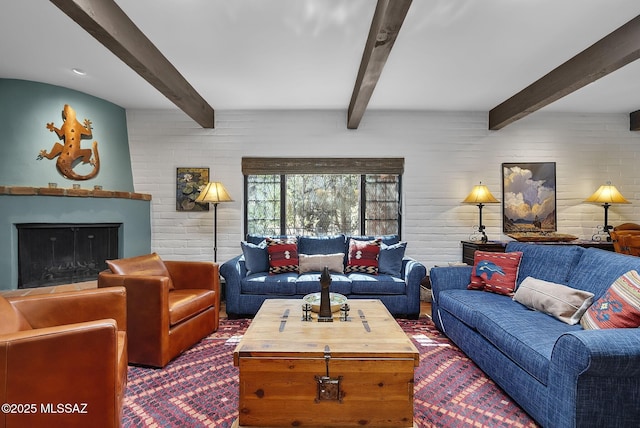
71, 153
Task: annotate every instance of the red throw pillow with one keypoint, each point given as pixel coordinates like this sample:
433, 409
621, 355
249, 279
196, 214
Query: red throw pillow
495, 272
283, 255
618, 308
363, 256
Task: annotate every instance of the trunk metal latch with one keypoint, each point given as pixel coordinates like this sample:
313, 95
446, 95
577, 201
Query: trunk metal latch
328, 387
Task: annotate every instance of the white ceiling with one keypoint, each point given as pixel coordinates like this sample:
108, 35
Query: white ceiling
465, 55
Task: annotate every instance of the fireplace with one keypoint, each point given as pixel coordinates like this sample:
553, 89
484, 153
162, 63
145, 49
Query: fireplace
53, 254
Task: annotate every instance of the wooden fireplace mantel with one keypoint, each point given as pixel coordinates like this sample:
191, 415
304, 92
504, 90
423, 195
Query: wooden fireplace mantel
61, 191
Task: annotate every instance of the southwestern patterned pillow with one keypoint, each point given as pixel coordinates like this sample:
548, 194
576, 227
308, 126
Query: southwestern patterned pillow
363, 256
618, 308
283, 255
495, 272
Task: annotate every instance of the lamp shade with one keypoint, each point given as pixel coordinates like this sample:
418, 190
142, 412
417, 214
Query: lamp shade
480, 194
214, 192
607, 194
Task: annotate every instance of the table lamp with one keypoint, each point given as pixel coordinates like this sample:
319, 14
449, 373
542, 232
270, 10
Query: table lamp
607, 195
214, 193
480, 195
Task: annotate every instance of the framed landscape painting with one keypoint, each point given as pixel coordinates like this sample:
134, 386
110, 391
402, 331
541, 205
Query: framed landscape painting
189, 183
529, 197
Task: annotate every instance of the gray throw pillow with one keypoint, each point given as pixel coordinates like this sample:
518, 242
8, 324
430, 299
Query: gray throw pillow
560, 301
317, 262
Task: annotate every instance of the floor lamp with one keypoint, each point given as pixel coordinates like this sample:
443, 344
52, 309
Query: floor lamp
480, 195
214, 193
607, 195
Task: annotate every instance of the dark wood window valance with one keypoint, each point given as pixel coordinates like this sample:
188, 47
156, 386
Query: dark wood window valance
279, 166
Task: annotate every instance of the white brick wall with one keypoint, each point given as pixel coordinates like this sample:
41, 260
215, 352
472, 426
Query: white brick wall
446, 153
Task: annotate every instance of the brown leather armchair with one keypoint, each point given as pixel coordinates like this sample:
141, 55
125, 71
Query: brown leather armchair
171, 305
63, 359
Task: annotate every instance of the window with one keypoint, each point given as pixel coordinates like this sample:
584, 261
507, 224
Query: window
262, 206
285, 196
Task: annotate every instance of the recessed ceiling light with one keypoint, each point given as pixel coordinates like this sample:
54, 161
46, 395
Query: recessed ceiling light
79, 72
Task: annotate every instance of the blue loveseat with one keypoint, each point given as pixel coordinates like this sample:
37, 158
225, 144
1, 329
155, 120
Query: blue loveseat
561, 374
397, 284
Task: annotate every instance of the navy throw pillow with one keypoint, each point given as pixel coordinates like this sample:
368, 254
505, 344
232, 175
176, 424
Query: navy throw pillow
256, 257
390, 259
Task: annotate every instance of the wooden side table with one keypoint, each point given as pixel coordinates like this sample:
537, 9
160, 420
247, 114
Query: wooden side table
470, 247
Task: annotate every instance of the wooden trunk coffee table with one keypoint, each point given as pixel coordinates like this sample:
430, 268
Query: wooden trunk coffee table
325, 374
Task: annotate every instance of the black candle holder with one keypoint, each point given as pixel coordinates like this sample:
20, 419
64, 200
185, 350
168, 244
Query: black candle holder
306, 312
344, 312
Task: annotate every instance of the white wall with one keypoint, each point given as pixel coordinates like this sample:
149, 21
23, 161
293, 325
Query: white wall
446, 153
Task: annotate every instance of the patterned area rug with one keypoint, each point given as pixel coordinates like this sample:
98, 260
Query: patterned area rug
200, 388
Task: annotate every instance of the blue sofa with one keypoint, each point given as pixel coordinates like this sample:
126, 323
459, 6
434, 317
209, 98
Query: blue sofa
246, 291
560, 374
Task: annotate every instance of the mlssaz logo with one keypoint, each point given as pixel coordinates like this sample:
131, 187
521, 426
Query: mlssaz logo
80, 408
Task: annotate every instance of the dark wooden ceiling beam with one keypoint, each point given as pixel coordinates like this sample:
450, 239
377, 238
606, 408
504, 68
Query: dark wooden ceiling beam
634, 121
610, 53
105, 21
385, 26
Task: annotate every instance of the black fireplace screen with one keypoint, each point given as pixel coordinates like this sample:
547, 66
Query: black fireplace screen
52, 254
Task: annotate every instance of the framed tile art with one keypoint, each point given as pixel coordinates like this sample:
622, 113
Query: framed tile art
189, 183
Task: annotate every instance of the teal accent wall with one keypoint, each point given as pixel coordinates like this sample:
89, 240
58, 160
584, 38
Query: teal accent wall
26, 108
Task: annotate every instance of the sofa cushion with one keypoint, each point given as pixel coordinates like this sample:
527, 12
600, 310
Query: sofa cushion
147, 265
283, 255
283, 284
495, 272
185, 303
526, 337
11, 320
256, 256
564, 303
256, 239
317, 262
386, 239
553, 263
463, 303
619, 307
363, 256
362, 283
310, 283
321, 244
390, 259
598, 269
